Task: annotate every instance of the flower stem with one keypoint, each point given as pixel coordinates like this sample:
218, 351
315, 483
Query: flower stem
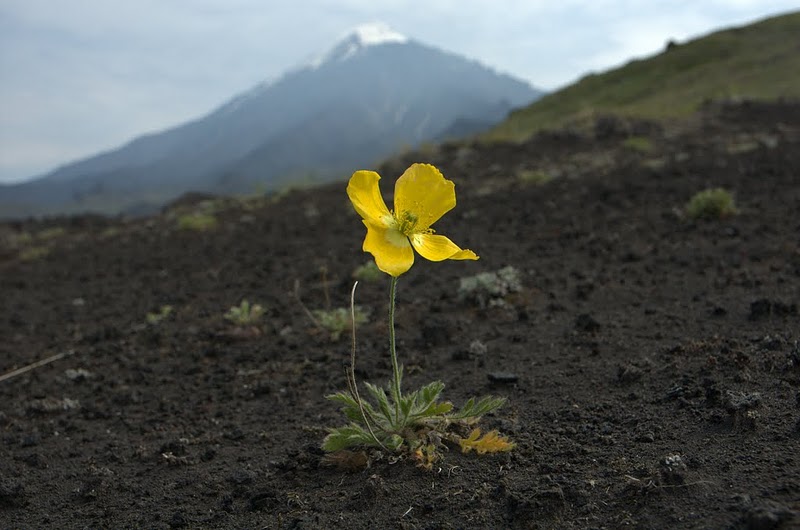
396, 394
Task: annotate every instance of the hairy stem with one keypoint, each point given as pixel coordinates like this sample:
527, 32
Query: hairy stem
352, 384
396, 394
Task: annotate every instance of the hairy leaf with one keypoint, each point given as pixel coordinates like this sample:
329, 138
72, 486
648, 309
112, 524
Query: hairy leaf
393, 442
430, 392
406, 403
473, 410
383, 400
426, 397
349, 436
350, 406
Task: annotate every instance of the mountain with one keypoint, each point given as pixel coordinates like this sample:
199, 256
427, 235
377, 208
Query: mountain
372, 94
757, 61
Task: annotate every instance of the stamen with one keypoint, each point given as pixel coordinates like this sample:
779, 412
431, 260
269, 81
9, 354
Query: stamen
407, 223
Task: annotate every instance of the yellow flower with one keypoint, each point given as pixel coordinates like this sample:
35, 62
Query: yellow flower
421, 197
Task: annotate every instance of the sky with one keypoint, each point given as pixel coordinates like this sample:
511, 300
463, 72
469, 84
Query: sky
78, 77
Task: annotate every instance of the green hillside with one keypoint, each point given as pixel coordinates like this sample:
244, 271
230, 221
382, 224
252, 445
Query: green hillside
759, 61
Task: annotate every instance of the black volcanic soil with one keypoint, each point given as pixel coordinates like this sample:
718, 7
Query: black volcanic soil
652, 362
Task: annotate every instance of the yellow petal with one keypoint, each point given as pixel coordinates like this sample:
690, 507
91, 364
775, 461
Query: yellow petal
438, 248
465, 254
422, 195
391, 249
365, 194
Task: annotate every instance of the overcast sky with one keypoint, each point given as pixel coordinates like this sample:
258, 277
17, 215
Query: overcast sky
81, 76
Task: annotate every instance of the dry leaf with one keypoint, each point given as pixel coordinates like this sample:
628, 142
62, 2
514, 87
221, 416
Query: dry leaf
491, 442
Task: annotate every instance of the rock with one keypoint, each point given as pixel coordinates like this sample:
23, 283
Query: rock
12, 493
477, 348
768, 516
740, 407
647, 437
241, 477
628, 374
766, 308
739, 401
586, 323
178, 520
77, 375
504, 378
719, 311
673, 470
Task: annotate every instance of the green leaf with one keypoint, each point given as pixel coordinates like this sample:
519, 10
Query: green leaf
430, 392
383, 400
406, 403
437, 409
349, 405
344, 398
425, 399
344, 437
351, 408
393, 442
474, 410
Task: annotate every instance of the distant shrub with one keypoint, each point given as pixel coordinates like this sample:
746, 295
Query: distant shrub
640, 144
33, 253
198, 222
110, 232
336, 321
534, 176
490, 288
21, 239
428, 149
654, 163
715, 203
368, 272
50, 233
156, 318
245, 314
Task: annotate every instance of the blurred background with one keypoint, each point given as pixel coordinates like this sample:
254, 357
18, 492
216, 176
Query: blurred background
83, 77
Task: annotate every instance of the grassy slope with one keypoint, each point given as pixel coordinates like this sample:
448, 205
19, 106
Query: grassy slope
760, 61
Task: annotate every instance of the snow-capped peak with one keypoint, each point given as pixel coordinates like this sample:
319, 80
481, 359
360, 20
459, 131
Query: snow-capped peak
363, 36
377, 33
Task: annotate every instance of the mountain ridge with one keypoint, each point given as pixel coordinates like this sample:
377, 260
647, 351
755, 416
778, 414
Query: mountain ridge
244, 144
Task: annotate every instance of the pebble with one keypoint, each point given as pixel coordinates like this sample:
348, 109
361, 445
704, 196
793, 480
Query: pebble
505, 378
586, 323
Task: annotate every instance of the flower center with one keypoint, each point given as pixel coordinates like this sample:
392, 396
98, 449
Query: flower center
406, 223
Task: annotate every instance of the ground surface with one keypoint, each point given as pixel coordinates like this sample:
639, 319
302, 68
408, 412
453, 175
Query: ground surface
651, 363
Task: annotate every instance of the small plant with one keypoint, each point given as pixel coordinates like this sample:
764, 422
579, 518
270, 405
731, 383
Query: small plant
537, 177
163, 313
368, 272
110, 232
489, 289
338, 320
417, 423
34, 253
198, 222
21, 239
51, 233
245, 314
640, 144
715, 203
